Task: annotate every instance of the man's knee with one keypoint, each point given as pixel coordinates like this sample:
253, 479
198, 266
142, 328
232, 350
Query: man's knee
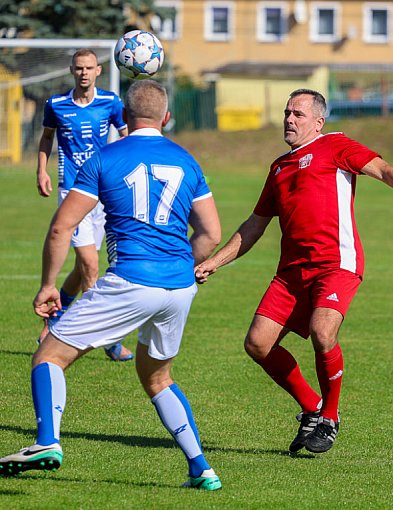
89, 275
154, 375
255, 347
52, 350
324, 327
88, 264
88, 267
323, 340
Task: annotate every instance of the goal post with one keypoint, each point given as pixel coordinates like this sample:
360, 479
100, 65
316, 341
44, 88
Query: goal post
114, 75
40, 68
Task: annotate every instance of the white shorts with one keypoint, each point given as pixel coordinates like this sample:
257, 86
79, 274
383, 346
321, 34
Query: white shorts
114, 307
91, 229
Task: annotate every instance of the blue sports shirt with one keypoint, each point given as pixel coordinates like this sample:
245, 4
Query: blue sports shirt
147, 184
81, 129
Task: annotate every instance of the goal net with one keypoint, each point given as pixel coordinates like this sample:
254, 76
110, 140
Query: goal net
32, 70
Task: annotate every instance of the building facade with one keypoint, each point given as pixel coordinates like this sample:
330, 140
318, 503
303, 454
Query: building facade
256, 51
205, 34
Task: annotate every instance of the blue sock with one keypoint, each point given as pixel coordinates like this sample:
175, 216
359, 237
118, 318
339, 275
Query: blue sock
66, 300
49, 396
176, 415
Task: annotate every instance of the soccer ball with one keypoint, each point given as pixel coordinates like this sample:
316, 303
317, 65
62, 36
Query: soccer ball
139, 54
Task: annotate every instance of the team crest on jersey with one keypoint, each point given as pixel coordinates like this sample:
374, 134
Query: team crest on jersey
305, 161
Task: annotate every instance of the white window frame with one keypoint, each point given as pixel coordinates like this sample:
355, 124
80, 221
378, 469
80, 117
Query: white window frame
368, 37
208, 30
315, 36
262, 35
167, 34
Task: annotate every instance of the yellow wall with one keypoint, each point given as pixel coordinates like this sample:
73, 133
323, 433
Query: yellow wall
193, 54
251, 103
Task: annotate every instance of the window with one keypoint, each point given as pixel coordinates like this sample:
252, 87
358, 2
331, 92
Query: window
167, 27
325, 22
218, 21
271, 21
376, 22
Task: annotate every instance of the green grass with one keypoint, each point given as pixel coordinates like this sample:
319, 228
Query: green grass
118, 455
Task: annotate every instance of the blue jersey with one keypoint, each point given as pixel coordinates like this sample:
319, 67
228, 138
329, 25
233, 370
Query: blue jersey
81, 129
147, 184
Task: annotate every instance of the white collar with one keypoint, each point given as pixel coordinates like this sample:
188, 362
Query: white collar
82, 105
308, 143
146, 132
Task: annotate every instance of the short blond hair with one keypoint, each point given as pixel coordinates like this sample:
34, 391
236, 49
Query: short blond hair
83, 52
146, 99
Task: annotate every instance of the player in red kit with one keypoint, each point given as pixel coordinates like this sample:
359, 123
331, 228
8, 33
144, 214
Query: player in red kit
311, 189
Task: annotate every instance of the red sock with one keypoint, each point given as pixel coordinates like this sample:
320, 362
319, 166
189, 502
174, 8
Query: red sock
284, 370
330, 366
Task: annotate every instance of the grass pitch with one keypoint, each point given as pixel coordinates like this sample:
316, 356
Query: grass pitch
118, 455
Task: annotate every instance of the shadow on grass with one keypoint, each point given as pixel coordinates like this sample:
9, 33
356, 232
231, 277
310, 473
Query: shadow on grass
59, 479
157, 442
5, 492
17, 353
259, 451
141, 441
88, 356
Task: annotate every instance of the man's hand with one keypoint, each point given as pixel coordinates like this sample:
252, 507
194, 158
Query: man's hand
47, 302
204, 270
44, 184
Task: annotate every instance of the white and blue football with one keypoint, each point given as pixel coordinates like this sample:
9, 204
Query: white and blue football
139, 54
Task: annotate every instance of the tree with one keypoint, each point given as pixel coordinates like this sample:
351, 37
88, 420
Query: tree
50, 19
74, 18
67, 19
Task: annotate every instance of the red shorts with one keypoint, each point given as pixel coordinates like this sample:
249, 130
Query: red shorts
293, 295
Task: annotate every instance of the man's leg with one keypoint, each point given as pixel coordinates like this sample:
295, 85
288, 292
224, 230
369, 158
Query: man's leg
262, 345
68, 293
324, 327
49, 396
82, 277
176, 415
87, 261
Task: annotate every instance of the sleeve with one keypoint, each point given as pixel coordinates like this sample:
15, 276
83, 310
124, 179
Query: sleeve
202, 189
50, 120
351, 155
117, 114
88, 177
266, 205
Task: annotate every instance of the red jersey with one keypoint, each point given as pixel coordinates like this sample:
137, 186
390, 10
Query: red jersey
311, 189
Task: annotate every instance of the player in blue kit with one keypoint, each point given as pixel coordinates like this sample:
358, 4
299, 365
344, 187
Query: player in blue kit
81, 119
152, 189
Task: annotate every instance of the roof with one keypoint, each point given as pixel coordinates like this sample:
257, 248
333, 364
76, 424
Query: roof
272, 70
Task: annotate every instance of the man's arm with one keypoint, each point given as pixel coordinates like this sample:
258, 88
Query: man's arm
379, 169
242, 240
207, 229
44, 183
123, 132
56, 247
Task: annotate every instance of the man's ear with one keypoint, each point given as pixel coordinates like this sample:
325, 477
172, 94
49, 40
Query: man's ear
99, 70
166, 119
320, 124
